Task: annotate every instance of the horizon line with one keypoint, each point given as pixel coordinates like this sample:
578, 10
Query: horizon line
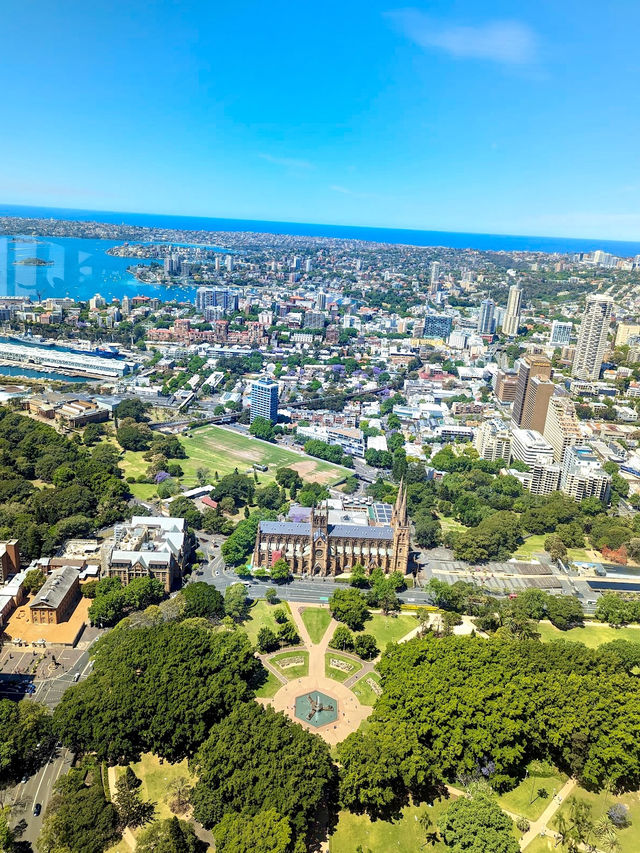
285, 222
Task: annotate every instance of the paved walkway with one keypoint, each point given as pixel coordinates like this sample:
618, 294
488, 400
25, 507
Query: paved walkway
350, 712
536, 826
435, 621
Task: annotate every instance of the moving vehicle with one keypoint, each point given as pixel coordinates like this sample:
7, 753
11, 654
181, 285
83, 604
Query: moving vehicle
37, 809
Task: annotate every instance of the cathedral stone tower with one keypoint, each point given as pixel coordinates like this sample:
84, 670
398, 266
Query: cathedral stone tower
401, 531
319, 543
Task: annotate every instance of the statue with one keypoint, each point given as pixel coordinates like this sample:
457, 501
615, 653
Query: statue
317, 707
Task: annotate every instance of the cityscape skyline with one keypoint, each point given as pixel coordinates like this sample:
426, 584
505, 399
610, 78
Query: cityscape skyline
467, 119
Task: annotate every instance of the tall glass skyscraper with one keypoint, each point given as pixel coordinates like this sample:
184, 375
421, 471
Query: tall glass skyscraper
486, 323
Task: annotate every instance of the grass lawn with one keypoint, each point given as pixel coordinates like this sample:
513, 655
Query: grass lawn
592, 635
584, 555
143, 491
629, 838
339, 674
381, 836
523, 800
261, 616
292, 672
222, 450
365, 694
530, 547
269, 688
389, 629
156, 778
542, 845
448, 524
316, 620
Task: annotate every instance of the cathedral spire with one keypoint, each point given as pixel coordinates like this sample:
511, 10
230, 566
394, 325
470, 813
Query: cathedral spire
400, 507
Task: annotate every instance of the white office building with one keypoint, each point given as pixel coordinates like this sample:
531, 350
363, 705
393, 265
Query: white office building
530, 447
560, 333
582, 477
493, 441
512, 315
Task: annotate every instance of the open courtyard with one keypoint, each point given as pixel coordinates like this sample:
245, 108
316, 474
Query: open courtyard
344, 686
21, 630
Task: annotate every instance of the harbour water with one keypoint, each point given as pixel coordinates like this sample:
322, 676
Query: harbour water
74, 267
44, 375
79, 268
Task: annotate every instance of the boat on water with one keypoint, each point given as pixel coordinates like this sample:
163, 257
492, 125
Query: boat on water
107, 351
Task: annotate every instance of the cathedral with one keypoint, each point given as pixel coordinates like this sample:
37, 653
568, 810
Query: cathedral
334, 540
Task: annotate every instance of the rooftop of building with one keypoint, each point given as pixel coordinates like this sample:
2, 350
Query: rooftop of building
55, 588
344, 531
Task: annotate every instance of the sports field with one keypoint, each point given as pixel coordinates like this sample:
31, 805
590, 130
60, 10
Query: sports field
224, 450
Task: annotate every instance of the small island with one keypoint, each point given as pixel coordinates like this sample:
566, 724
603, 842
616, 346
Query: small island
33, 262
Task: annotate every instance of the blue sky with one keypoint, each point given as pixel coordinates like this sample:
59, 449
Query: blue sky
467, 116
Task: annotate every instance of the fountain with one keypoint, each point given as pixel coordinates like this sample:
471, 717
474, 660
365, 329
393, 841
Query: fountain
316, 708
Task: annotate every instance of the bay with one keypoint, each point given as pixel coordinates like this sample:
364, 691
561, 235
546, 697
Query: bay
75, 267
79, 268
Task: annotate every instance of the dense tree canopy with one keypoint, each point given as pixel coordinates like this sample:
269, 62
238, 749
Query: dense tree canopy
349, 606
25, 738
240, 544
256, 759
111, 601
477, 825
157, 690
265, 832
497, 704
169, 836
201, 599
83, 487
78, 816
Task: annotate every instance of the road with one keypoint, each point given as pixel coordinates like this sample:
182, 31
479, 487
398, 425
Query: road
50, 691
38, 789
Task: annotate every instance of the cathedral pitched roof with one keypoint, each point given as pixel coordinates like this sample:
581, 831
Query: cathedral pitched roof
292, 528
357, 531
344, 531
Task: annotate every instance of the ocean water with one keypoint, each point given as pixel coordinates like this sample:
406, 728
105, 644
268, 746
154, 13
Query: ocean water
80, 268
453, 239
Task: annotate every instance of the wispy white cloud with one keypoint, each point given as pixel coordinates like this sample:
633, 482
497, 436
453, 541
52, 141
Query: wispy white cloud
287, 162
337, 188
505, 42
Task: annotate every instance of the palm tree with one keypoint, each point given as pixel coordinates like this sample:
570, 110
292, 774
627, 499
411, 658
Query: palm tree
563, 829
605, 832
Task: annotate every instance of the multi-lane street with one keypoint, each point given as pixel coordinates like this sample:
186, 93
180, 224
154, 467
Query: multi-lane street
37, 790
